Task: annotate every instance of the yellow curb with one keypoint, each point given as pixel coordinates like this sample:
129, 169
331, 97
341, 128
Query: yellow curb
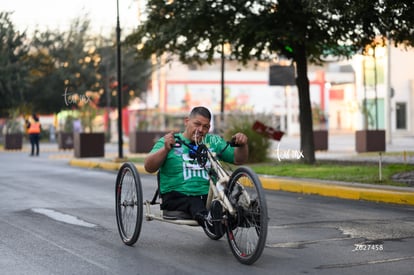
339, 191
295, 185
110, 166
388, 196
83, 163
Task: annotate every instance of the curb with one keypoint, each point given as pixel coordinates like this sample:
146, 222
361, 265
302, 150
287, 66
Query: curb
388, 194
396, 195
110, 166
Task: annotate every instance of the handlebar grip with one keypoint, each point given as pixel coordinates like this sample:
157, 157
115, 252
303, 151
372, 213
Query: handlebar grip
178, 141
176, 145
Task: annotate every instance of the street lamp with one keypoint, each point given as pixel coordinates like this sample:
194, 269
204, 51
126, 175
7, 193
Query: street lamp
119, 75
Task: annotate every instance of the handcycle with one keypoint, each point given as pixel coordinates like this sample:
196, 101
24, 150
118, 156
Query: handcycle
243, 217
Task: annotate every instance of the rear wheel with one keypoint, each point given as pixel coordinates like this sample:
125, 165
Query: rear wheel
247, 229
128, 203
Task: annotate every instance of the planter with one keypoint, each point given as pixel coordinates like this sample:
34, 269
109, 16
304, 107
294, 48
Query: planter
370, 141
65, 140
13, 141
320, 140
143, 141
89, 145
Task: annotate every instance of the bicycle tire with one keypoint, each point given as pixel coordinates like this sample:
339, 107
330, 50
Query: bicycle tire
128, 203
247, 230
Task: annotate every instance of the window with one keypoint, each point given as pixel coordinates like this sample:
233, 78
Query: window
401, 115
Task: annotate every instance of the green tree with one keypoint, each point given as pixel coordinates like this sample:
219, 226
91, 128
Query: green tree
62, 64
136, 71
305, 31
46, 78
13, 65
135, 74
73, 62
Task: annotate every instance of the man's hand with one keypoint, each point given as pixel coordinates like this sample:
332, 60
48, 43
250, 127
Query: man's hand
154, 161
241, 153
240, 139
169, 141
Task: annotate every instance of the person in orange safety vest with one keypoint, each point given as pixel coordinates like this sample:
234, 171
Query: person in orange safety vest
33, 129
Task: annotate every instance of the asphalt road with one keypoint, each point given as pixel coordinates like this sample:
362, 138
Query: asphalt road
59, 219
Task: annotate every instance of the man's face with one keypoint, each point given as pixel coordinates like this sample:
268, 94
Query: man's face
196, 128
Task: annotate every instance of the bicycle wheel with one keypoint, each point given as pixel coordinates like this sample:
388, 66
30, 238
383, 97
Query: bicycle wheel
247, 229
128, 203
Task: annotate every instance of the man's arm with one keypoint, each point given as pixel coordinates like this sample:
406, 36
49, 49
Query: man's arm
154, 161
241, 153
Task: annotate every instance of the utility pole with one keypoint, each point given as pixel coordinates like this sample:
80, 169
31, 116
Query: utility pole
223, 96
118, 48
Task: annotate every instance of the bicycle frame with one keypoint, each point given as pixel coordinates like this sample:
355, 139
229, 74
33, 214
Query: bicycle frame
216, 192
244, 212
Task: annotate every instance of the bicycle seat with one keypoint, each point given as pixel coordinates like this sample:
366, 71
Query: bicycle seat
175, 215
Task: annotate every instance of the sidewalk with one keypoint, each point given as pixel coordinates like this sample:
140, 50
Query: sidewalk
341, 148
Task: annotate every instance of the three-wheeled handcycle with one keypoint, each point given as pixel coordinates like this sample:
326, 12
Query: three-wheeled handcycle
243, 217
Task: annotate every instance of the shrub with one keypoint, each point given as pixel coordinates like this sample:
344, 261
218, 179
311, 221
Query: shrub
68, 126
242, 122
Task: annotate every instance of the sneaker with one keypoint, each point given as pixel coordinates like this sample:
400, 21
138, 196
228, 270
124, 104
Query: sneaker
201, 219
216, 214
208, 221
216, 228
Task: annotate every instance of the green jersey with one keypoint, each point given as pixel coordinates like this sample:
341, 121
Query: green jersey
181, 173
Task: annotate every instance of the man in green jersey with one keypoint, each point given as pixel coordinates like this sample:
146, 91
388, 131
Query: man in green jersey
183, 183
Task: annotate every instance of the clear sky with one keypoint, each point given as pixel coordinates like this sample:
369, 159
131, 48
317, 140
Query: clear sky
58, 14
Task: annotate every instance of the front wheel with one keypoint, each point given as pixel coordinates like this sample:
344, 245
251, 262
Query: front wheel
128, 203
247, 229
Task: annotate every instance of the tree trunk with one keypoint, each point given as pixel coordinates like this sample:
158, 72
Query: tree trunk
305, 110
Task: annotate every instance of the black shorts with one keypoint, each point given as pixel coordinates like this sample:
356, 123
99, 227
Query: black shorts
176, 201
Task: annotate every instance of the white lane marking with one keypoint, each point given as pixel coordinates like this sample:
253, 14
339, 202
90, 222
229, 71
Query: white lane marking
62, 217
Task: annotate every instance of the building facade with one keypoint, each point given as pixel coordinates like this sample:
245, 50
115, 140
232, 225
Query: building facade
345, 95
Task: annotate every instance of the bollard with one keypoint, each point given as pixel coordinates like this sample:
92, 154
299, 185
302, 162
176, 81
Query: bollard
380, 167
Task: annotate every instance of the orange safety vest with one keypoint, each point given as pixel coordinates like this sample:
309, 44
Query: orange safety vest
34, 128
